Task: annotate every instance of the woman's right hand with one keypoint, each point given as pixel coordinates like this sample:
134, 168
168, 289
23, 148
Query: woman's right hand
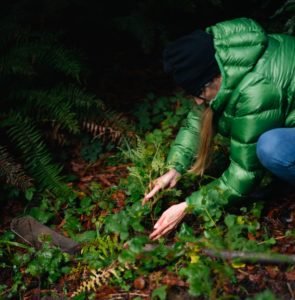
168, 180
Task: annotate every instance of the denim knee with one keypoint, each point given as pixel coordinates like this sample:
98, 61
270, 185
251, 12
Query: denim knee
276, 151
265, 149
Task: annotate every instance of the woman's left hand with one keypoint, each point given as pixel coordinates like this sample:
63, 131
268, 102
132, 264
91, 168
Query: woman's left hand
169, 220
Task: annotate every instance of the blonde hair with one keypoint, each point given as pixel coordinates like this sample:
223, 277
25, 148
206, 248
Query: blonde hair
206, 136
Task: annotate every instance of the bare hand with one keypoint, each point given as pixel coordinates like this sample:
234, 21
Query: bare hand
169, 220
168, 180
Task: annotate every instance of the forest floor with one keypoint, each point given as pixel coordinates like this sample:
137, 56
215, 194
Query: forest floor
278, 216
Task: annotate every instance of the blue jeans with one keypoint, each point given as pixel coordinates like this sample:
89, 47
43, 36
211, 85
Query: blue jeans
276, 152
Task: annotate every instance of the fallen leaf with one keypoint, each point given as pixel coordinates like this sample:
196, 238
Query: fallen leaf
273, 271
139, 283
290, 275
86, 178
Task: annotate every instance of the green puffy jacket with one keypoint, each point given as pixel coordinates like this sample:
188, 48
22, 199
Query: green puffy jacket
256, 95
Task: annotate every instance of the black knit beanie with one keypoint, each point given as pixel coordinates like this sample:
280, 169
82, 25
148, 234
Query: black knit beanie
191, 61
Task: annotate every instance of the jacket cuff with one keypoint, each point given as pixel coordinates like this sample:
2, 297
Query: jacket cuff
178, 167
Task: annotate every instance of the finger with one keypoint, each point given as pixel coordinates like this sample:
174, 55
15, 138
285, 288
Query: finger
158, 228
166, 230
152, 184
162, 220
161, 226
156, 235
172, 184
152, 192
145, 200
162, 229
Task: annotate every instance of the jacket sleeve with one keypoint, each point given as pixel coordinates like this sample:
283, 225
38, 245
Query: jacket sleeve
184, 148
253, 116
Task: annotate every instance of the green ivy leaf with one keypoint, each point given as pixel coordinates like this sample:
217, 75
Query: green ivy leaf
186, 233
160, 293
41, 215
127, 256
29, 193
136, 244
230, 220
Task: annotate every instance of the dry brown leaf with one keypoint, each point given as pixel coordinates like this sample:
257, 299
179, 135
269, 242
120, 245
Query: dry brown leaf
273, 271
139, 283
86, 178
290, 275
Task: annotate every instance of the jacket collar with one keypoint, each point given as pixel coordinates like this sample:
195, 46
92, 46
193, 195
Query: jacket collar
239, 43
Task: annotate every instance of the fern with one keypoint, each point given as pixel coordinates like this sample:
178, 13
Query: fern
148, 163
102, 251
30, 50
12, 171
37, 160
101, 277
83, 103
48, 106
146, 155
42, 99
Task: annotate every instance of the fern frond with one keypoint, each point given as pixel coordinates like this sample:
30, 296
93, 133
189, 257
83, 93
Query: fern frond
60, 59
136, 154
112, 126
28, 141
21, 60
105, 249
99, 278
47, 106
85, 105
33, 66
56, 134
23, 50
12, 171
62, 107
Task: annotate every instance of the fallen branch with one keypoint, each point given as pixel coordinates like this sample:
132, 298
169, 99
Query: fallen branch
126, 295
257, 257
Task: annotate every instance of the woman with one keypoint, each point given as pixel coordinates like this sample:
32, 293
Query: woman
245, 80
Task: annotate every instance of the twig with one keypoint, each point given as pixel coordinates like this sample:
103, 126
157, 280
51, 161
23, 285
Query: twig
291, 291
258, 257
120, 295
251, 256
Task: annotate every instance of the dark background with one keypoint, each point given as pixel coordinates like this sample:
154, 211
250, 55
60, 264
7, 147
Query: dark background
121, 42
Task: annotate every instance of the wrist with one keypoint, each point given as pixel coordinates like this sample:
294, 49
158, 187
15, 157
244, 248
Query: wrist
174, 172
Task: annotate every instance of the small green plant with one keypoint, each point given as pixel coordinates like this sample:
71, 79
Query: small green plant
31, 266
229, 232
114, 236
48, 263
91, 149
166, 112
101, 251
265, 295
